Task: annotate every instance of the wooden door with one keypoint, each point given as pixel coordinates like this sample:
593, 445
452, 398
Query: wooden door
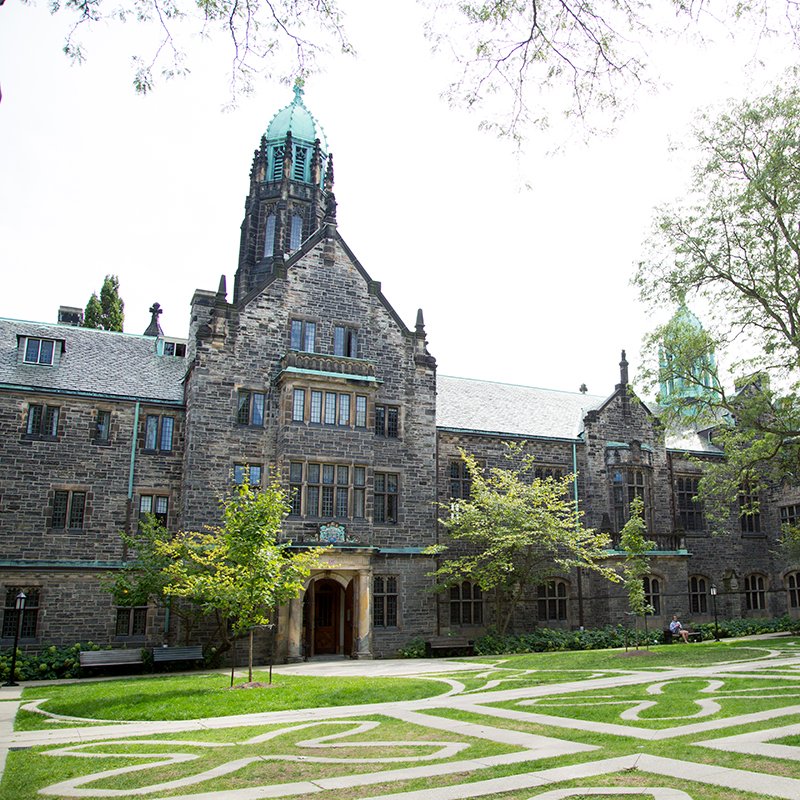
327, 609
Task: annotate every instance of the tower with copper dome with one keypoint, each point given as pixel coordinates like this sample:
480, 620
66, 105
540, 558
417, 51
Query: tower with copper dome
291, 183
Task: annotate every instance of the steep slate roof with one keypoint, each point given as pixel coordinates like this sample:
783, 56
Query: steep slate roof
472, 405
93, 362
504, 408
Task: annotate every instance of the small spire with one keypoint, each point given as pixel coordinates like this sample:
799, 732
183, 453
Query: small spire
298, 90
420, 323
222, 291
330, 207
329, 173
623, 370
583, 389
154, 329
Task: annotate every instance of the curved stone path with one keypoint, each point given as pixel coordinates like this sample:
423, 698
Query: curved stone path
441, 754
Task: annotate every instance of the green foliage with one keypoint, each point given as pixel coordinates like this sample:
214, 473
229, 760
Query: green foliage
238, 571
637, 564
732, 246
542, 640
518, 529
107, 312
748, 627
49, 663
414, 648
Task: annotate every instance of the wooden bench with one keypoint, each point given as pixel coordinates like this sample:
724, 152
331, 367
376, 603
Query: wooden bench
162, 655
670, 637
449, 646
110, 658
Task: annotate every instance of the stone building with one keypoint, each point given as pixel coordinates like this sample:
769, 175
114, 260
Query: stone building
307, 370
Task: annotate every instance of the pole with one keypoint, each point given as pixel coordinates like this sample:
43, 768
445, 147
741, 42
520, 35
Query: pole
19, 605
716, 623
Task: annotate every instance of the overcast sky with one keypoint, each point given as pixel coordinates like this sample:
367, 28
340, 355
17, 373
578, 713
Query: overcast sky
520, 262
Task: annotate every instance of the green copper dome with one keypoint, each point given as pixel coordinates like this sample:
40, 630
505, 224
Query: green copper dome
299, 120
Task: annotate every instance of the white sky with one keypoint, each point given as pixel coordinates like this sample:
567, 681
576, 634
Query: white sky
520, 285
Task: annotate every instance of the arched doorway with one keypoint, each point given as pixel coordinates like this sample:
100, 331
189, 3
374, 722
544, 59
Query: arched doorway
328, 618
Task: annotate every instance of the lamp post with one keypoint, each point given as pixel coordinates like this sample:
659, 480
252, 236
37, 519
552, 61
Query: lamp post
714, 601
19, 605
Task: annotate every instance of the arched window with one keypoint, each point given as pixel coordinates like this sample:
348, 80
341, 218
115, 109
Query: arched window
466, 604
698, 594
552, 601
793, 588
755, 592
652, 593
296, 233
269, 236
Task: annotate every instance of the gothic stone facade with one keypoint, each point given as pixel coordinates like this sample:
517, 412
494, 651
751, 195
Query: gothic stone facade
307, 371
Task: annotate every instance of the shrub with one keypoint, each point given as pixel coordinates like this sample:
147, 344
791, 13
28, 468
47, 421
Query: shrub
48, 663
414, 648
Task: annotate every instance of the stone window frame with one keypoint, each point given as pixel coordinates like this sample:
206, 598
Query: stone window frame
302, 331
249, 413
385, 601
552, 600
345, 340
698, 594
459, 480
624, 490
466, 604
159, 433
387, 421
386, 497
41, 422
154, 502
691, 514
102, 427
790, 514
296, 225
792, 583
654, 586
749, 508
30, 614
255, 473
327, 407
755, 591
131, 622
326, 486
69, 505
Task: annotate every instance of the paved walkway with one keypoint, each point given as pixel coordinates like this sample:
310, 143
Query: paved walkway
441, 755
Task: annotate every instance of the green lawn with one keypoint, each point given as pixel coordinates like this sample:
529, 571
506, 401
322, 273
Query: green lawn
207, 695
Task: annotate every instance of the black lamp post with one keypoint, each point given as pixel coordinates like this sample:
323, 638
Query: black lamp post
714, 601
19, 605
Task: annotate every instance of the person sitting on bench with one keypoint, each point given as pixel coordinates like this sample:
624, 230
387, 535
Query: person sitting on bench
676, 629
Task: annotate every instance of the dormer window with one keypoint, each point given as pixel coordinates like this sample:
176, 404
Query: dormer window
174, 348
39, 351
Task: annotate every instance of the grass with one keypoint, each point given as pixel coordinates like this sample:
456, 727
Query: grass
202, 695
206, 695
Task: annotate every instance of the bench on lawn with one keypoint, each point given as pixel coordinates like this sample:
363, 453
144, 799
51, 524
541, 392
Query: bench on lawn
449, 646
110, 658
670, 637
163, 655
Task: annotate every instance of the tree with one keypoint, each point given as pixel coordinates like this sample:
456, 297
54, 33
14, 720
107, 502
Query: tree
585, 57
632, 540
106, 313
144, 579
517, 529
733, 247
239, 570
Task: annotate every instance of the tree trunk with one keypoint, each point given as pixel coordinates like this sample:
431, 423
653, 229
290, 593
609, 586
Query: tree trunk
250, 658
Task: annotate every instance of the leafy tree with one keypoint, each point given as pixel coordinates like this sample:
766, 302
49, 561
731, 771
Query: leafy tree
517, 529
107, 312
733, 247
239, 570
144, 578
632, 540
584, 56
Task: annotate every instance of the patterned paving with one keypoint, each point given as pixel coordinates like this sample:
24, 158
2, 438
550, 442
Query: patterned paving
709, 733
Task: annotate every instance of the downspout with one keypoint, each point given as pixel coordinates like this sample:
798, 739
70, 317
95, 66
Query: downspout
577, 523
129, 509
